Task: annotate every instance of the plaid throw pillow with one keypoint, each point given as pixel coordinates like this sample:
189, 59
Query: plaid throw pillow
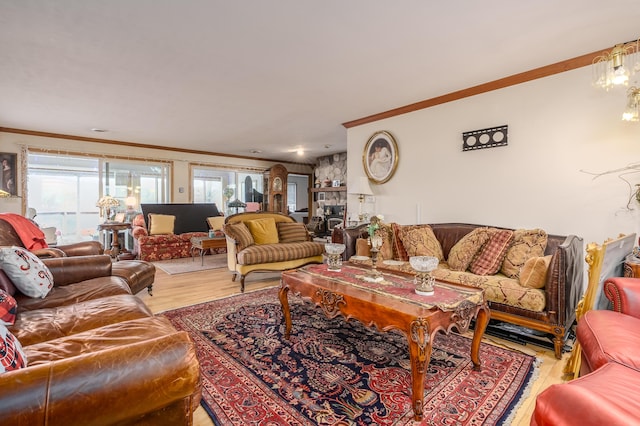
489, 259
289, 232
462, 253
8, 308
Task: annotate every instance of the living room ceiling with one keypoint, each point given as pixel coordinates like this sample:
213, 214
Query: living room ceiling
266, 78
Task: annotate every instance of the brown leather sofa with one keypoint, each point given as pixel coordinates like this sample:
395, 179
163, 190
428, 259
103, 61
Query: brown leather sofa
96, 354
606, 393
561, 292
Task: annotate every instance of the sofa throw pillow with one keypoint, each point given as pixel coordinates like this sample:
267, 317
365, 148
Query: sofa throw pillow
463, 252
161, 224
534, 272
362, 247
527, 243
386, 250
289, 232
421, 241
240, 233
8, 308
26, 271
215, 222
12, 356
398, 248
490, 257
263, 230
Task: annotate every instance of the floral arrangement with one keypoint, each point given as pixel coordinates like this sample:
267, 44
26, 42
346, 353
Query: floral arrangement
374, 225
375, 239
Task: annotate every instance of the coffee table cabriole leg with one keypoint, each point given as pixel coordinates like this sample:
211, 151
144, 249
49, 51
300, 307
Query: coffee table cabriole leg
482, 319
420, 347
284, 301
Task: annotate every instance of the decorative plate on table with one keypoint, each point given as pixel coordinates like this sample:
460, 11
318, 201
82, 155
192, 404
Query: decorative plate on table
393, 262
359, 258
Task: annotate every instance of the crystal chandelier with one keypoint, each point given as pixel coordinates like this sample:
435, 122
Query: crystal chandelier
616, 67
632, 111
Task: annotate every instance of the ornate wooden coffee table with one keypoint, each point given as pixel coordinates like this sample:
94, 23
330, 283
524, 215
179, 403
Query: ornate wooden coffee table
391, 305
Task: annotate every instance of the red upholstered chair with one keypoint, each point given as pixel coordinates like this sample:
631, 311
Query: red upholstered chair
607, 391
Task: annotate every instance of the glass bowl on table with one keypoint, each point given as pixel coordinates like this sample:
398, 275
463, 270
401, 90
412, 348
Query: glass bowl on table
423, 265
334, 256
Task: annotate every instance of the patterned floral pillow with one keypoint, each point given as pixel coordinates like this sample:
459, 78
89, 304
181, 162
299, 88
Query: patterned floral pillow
26, 271
421, 241
463, 252
240, 233
527, 243
489, 259
12, 356
8, 308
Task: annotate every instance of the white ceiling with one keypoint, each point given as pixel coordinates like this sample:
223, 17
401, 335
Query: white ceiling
232, 76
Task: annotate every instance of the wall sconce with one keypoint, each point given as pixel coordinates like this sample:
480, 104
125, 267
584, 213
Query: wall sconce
632, 111
616, 67
361, 189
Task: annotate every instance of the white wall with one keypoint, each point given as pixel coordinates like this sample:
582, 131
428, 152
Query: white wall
11, 142
558, 126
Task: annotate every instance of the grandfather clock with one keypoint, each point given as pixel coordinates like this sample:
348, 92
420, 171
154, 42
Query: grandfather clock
277, 189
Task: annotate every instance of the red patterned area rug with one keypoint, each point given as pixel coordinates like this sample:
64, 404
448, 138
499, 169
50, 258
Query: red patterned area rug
333, 372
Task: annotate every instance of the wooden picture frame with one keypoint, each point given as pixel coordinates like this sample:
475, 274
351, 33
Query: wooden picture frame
8, 179
380, 157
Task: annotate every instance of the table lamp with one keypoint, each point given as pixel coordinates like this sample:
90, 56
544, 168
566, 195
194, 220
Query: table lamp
361, 188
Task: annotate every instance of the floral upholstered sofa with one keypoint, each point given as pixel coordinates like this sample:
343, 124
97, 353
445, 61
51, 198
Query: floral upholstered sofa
164, 231
530, 278
265, 241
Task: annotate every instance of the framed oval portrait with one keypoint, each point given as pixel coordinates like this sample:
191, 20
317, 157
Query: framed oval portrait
380, 157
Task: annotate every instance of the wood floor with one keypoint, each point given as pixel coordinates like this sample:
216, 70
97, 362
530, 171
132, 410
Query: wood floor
175, 291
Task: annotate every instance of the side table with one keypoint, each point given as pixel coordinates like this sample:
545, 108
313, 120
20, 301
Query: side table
632, 266
113, 228
205, 243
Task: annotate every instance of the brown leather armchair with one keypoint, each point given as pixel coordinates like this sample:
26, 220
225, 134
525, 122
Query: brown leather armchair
9, 237
93, 352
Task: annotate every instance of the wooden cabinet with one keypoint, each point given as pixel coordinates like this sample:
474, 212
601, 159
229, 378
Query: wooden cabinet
277, 189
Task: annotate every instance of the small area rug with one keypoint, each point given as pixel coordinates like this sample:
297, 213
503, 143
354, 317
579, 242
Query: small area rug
188, 264
333, 372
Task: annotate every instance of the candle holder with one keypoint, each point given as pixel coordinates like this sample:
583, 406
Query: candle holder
423, 265
374, 275
334, 256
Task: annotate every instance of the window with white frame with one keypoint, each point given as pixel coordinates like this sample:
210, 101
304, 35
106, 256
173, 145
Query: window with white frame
63, 188
223, 186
